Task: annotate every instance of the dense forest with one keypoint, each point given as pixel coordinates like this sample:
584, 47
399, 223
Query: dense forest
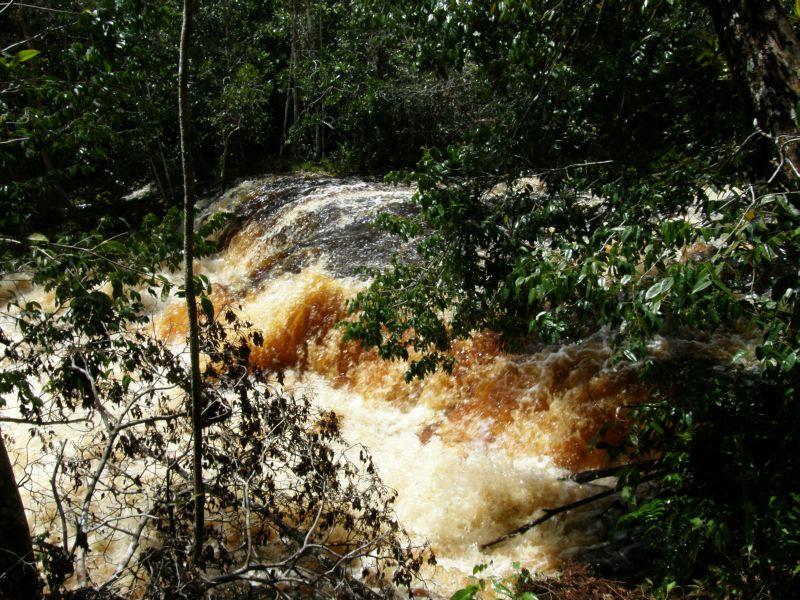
628, 167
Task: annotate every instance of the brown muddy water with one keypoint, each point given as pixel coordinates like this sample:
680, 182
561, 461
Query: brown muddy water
472, 455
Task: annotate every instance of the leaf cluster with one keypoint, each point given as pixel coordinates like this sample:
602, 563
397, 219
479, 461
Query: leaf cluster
616, 196
725, 513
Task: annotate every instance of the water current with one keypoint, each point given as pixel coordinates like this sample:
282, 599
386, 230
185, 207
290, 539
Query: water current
473, 454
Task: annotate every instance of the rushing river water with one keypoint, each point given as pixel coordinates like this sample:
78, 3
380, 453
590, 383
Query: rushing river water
473, 454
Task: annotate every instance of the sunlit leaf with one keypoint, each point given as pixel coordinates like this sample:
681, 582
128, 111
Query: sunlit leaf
659, 288
27, 54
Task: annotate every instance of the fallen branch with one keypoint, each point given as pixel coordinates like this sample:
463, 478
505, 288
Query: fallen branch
549, 513
595, 474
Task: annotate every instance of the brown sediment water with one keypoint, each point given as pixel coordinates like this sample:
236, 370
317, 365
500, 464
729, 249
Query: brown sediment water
473, 454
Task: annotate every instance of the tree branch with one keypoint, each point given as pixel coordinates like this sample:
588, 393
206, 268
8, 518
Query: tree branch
549, 513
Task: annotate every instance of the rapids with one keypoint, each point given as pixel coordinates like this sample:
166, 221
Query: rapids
473, 455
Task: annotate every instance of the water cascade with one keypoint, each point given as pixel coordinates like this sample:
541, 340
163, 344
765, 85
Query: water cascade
473, 454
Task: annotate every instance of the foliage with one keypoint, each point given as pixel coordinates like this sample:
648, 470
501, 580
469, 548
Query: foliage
574, 582
235, 88
724, 512
633, 203
491, 257
586, 165
97, 282
88, 105
290, 504
81, 102
506, 587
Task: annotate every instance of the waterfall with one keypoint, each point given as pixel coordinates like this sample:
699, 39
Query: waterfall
473, 454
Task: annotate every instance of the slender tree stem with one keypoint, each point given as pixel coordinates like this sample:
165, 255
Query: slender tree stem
188, 257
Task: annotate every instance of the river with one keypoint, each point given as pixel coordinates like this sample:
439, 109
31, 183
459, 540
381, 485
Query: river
473, 454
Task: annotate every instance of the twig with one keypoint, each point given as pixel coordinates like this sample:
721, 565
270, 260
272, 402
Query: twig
7, 5
549, 513
48, 9
37, 423
136, 537
57, 497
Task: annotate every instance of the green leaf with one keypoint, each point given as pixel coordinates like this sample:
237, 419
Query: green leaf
502, 589
781, 198
207, 306
722, 286
702, 283
789, 361
659, 288
740, 355
24, 55
467, 593
37, 237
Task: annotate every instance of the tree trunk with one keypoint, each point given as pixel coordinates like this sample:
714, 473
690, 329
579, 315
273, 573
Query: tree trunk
321, 124
18, 579
226, 150
47, 159
285, 118
312, 49
168, 188
188, 258
223, 159
157, 176
763, 54
293, 72
165, 167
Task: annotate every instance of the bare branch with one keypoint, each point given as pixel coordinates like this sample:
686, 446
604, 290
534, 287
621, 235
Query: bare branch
549, 513
57, 497
132, 547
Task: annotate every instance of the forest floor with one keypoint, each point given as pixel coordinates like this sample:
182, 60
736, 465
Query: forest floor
577, 582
